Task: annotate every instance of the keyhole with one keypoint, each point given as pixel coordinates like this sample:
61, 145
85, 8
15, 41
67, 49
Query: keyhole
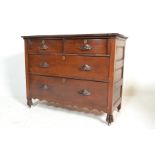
85, 41
43, 42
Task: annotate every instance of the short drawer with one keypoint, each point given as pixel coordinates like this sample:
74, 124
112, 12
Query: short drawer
44, 46
81, 93
85, 46
80, 67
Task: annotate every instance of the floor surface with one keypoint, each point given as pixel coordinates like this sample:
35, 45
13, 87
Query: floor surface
48, 130
136, 112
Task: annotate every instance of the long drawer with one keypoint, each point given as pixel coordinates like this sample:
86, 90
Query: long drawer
80, 93
81, 67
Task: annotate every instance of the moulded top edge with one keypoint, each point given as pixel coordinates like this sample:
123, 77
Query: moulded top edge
102, 35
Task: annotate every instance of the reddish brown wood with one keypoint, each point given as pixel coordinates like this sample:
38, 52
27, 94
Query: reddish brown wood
72, 66
111, 49
68, 91
27, 73
118, 72
76, 46
81, 72
44, 46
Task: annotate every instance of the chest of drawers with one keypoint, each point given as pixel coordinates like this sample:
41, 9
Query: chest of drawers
79, 72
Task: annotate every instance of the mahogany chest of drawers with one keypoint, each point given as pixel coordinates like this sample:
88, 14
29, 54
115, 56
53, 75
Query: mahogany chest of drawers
79, 72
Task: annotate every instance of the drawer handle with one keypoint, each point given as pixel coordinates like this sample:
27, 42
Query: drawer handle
85, 92
86, 46
86, 68
44, 65
44, 87
43, 45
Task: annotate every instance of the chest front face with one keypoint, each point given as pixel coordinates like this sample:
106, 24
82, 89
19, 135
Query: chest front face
81, 73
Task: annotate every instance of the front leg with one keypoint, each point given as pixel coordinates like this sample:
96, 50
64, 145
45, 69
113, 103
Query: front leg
109, 119
29, 102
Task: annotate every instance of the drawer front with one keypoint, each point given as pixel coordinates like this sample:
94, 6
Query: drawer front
85, 46
44, 46
69, 92
80, 67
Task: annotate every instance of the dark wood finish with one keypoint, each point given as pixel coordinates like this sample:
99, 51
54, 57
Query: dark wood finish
29, 102
109, 119
119, 107
80, 67
79, 72
100, 35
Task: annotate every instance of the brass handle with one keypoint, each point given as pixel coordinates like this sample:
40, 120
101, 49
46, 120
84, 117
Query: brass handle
86, 47
85, 92
44, 87
43, 45
44, 65
86, 68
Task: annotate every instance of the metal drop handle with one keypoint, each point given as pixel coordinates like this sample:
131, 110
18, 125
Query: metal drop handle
85, 46
85, 92
86, 67
43, 45
44, 87
44, 65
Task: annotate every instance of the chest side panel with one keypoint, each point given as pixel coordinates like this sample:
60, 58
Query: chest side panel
118, 71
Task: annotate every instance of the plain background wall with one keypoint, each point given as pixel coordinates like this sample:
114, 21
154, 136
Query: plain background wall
133, 18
